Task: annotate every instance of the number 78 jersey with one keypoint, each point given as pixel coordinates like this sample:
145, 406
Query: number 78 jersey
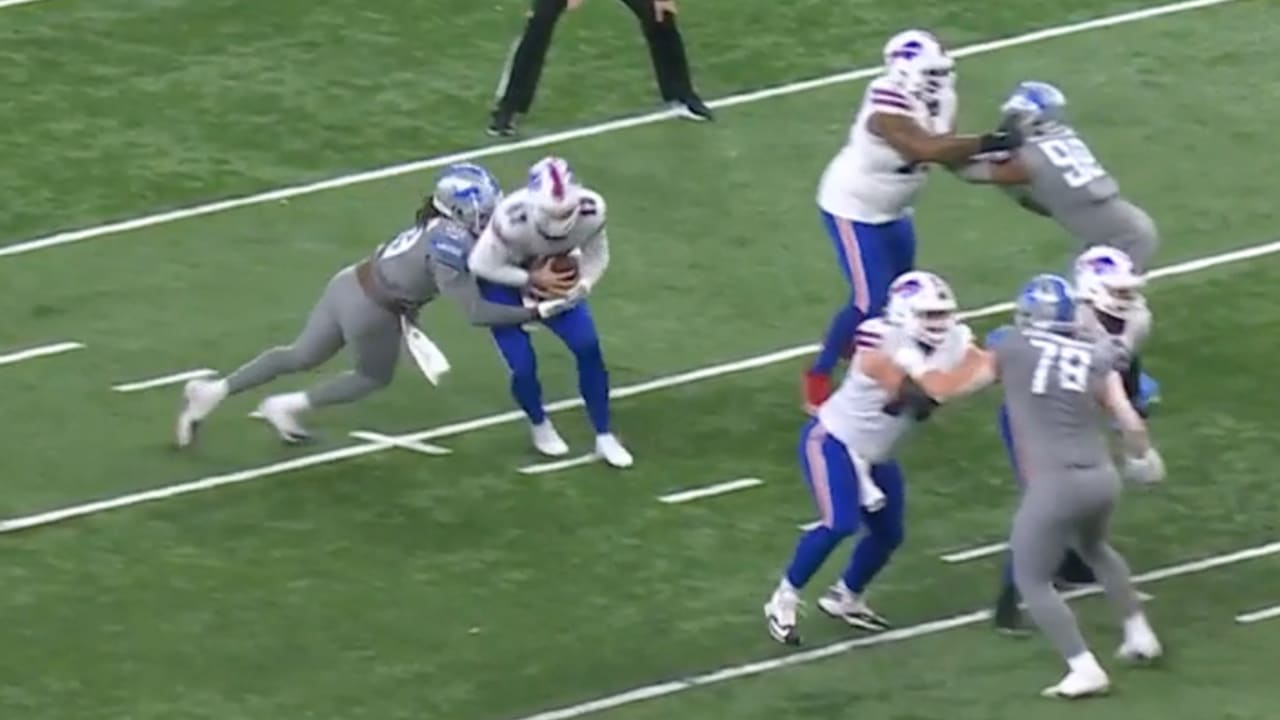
1053, 385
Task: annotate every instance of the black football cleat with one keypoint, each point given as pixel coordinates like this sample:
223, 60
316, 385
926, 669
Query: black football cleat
502, 123
692, 108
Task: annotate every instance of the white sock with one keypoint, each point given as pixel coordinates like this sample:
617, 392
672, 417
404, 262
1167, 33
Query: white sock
221, 386
1136, 626
844, 589
295, 402
785, 587
1084, 662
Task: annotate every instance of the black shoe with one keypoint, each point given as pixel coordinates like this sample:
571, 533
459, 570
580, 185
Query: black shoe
692, 108
502, 124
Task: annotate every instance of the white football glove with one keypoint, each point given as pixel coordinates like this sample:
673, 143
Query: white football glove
911, 359
1147, 469
551, 308
964, 334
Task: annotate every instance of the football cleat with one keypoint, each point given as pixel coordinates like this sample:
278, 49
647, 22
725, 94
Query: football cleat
609, 448
281, 412
841, 604
1140, 641
200, 398
780, 616
1080, 683
547, 441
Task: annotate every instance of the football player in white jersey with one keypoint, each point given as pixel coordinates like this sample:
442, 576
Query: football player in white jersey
551, 218
910, 359
905, 123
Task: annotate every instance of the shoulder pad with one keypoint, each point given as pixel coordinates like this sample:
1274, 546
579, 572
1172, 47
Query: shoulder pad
883, 95
511, 216
873, 333
450, 245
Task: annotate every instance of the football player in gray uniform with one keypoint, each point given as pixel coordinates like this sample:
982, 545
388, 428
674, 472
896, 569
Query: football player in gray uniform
364, 304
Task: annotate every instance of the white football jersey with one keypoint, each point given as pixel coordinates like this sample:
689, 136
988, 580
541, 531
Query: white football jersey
513, 226
854, 414
868, 181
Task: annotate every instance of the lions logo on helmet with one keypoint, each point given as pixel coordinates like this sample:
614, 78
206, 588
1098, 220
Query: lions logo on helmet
1035, 107
918, 63
922, 304
555, 197
468, 195
1106, 280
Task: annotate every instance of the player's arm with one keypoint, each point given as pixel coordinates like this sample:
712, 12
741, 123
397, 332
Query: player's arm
490, 259
975, 371
916, 144
1007, 171
1142, 463
461, 287
595, 251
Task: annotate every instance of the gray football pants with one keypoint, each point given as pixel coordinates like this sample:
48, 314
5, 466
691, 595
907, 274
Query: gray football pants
1128, 228
1070, 511
344, 315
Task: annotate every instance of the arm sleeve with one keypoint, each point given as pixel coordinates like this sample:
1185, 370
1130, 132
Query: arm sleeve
976, 172
595, 259
462, 289
491, 261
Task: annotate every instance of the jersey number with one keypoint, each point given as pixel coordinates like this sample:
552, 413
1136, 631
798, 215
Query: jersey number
1070, 364
402, 243
1079, 166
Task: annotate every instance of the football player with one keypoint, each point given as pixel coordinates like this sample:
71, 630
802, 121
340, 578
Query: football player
1111, 310
1059, 385
363, 304
551, 217
905, 123
910, 359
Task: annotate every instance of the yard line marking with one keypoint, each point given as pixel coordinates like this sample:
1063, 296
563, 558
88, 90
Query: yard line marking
974, 553
1258, 615
554, 465
424, 448
15, 3
161, 218
41, 351
466, 426
892, 636
723, 488
163, 380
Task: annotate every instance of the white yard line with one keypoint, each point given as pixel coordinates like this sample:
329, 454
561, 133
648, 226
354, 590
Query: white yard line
557, 465
466, 426
418, 447
1258, 615
15, 3
73, 236
164, 380
39, 352
907, 633
981, 551
707, 491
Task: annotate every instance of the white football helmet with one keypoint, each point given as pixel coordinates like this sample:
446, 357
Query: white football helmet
918, 63
922, 304
1106, 281
555, 197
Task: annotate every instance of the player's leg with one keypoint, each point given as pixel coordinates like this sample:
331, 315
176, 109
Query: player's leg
319, 340
670, 64
828, 473
885, 531
1140, 642
524, 65
577, 329
902, 251
516, 349
859, 259
1042, 529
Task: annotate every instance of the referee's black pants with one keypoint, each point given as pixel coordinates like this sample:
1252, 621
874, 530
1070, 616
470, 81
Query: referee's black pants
666, 48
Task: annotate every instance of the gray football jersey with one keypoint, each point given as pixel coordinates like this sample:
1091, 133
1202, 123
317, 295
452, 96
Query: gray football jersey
1053, 388
402, 266
1071, 186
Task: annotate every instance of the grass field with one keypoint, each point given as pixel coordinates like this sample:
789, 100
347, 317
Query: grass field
389, 585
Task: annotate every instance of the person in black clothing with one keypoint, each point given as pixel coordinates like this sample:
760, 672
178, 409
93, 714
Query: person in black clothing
524, 64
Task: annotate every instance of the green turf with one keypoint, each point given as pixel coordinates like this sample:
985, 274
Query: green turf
397, 586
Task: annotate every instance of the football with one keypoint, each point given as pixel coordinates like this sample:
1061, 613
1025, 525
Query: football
564, 263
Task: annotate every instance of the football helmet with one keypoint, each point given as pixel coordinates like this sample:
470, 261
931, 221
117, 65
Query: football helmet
922, 304
1106, 281
554, 197
466, 194
1035, 107
917, 62
1047, 302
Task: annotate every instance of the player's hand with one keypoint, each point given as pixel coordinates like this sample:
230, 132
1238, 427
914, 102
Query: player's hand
1147, 469
547, 283
664, 8
964, 334
910, 359
1002, 139
871, 497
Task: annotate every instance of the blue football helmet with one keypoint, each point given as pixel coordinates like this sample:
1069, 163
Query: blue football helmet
1035, 107
1047, 302
467, 194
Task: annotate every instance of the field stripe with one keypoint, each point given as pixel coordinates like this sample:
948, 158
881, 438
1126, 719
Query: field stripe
907, 633
161, 218
556, 465
15, 3
424, 448
164, 380
974, 553
39, 352
707, 491
466, 426
1258, 615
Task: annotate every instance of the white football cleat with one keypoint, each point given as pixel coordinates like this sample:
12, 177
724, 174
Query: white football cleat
547, 440
842, 604
1140, 641
281, 411
780, 616
1085, 678
200, 398
609, 448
